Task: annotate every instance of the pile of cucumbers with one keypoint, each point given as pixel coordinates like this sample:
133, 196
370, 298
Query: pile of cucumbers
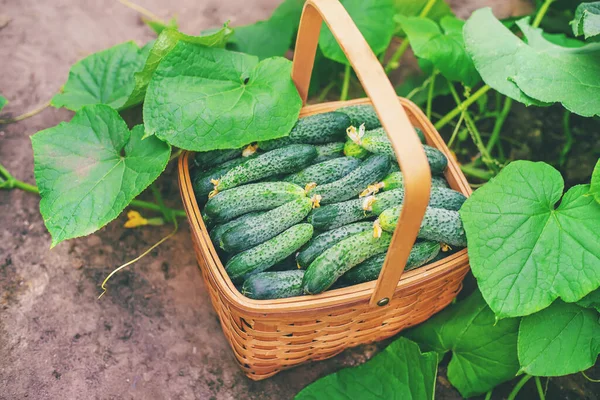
316, 209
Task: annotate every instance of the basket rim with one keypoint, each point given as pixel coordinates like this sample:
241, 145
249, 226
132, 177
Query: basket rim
333, 298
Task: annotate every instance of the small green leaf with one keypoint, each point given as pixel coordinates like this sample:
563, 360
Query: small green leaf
105, 77
165, 42
373, 19
272, 37
587, 20
444, 47
399, 372
537, 72
220, 99
89, 169
158, 26
559, 340
595, 184
524, 251
592, 300
484, 352
3, 102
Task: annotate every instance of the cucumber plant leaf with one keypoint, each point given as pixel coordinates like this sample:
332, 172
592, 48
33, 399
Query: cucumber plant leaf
413, 8
89, 169
442, 45
272, 37
559, 340
537, 72
484, 352
165, 42
587, 20
3, 102
524, 250
592, 300
595, 184
372, 19
105, 77
219, 99
399, 372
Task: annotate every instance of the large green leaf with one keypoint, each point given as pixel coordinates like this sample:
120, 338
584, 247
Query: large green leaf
560, 340
89, 169
399, 372
105, 77
484, 352
537, 72
595, 185
219, 99
587, 20
443, 46
162, 46
272, 37
524, 251
413, 8
373, 19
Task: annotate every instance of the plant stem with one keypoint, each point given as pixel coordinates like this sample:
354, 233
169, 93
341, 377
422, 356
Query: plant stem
326, 91
142, 10
518, 387
346, 83
568, 138
464, 105
26, 115
538, 385
161, 204
430, 94
499, 123
456, 130
470, 170
542, 11
588, 378
488, 395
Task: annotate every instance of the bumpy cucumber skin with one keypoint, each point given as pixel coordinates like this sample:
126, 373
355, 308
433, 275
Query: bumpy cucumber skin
208, 159
334, 215
259, 229
329, 151
325, 172
362, 114
439, 225
232, 203
202, 180
420, 254
269, 253
279, 161
217, 232
371, 170
337, 260
325, 240
395, 180
445, 198
273, 285
314, 129
352, 149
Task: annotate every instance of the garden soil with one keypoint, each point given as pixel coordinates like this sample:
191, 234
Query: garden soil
154, 335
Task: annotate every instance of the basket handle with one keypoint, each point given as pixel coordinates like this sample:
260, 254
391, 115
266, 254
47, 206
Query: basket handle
405, 142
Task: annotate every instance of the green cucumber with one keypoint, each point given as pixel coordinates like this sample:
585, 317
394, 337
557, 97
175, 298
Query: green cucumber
259, 229
371, 170
362, 114
396, 180
325, 172
333, 216
202, 181
279, 161
439, 198
420, 254
439, 225
337, 260
208, 159
351, 149
379, 134
325, 240
269, 253
314, 129
329, 151
375, 142
218, 231
232, 203
273, 285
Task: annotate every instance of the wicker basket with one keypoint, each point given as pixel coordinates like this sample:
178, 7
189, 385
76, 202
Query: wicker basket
268, 336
